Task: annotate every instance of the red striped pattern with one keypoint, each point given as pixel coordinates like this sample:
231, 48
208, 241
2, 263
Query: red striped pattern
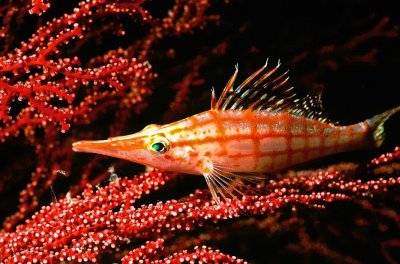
249, 141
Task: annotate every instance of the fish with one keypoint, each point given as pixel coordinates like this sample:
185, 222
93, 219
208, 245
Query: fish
251, 131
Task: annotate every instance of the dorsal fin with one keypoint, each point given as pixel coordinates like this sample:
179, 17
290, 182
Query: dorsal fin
311, 107
268, 89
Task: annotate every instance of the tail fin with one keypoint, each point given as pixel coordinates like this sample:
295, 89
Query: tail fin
377, 123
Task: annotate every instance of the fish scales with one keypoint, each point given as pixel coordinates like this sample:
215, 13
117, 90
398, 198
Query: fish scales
263, 141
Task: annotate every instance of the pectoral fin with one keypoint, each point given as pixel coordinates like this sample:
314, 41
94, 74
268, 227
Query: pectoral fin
229, 185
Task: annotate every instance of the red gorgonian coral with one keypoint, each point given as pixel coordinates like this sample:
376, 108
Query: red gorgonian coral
105, 218
97, 68
47, 84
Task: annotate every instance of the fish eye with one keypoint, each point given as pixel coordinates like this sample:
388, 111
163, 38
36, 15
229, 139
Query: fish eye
158, 144
159, 147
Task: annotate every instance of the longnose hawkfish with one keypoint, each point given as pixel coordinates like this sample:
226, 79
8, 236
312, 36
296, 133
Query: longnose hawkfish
253, 130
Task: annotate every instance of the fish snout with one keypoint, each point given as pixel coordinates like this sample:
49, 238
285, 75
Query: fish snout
124, 147
91, 146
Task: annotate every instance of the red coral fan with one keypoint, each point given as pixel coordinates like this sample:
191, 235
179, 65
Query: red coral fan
105, 218
45, 83
101, 68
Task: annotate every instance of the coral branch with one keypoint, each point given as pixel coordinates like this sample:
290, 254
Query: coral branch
39, 7
201, 255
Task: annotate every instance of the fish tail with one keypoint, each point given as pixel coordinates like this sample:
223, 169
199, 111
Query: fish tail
376, 125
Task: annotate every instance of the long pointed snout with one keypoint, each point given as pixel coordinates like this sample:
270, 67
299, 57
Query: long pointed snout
92, 146
124, 147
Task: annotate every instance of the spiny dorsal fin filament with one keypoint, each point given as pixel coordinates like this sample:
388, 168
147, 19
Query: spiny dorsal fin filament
213, 98
228, 87
268, 89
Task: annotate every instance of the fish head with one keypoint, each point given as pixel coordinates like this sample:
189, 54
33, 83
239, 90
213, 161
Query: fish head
152, 146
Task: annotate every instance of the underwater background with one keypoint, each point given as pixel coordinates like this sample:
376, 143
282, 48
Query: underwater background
116, 66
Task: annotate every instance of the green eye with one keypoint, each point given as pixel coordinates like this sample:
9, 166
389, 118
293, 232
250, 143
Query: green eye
158, 144
159, 147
